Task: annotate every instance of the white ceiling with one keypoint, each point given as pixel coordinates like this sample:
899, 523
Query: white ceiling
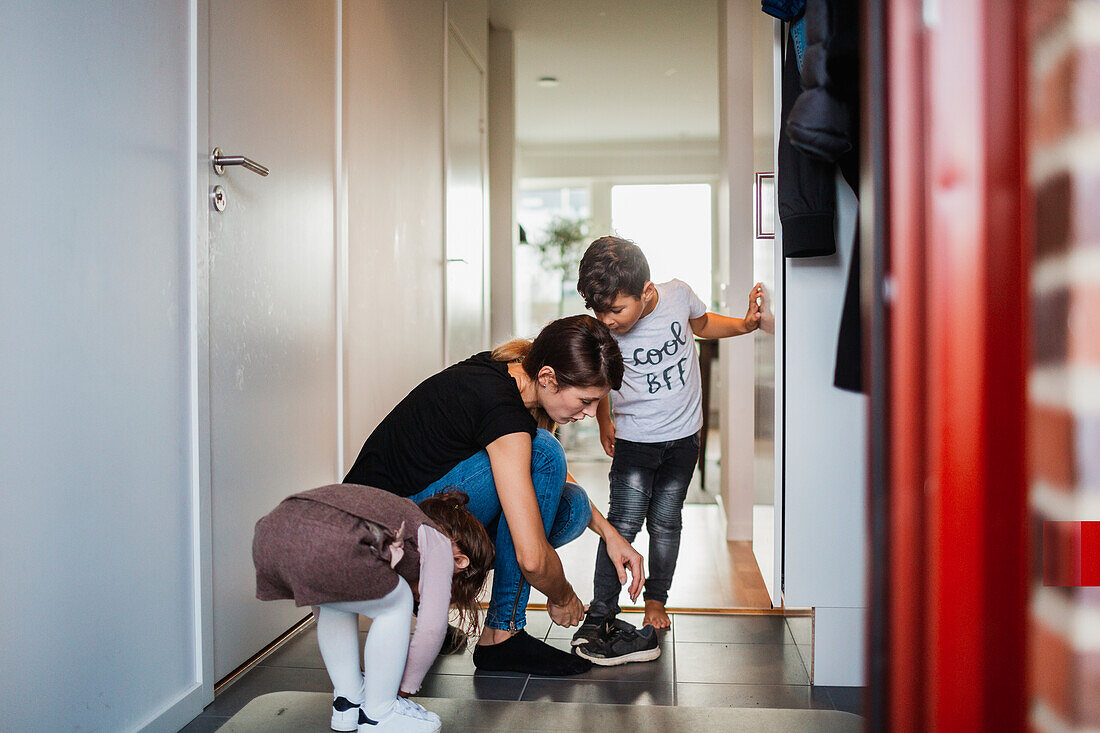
629, 70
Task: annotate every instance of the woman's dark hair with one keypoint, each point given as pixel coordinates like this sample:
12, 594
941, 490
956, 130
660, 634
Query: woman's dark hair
611, 266
581, 351
448, 511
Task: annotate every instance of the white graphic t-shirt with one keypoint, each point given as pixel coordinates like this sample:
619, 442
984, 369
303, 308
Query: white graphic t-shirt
661, 395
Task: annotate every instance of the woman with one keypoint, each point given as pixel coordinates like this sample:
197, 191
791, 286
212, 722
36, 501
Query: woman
479, 427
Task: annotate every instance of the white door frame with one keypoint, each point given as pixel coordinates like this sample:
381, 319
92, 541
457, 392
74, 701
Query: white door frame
450, 28
199, 366
736, 257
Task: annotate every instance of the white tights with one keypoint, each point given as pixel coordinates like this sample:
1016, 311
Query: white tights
384, 652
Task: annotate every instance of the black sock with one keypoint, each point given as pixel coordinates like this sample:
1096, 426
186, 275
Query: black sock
525, 654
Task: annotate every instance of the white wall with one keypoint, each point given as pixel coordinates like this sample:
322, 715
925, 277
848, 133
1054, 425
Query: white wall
393, 205
736, 248
643, 161
503, 233
471, 19
767, 481
97, 559
826, 439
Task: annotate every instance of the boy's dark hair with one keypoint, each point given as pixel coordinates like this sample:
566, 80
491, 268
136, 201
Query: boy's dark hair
610, 266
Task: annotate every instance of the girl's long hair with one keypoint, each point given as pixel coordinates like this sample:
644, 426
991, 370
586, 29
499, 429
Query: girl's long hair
581, 351
448, 511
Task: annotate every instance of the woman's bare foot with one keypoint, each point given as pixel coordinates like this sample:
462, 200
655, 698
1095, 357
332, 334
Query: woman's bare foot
655, 615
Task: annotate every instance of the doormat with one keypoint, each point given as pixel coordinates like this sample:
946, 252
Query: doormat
309, 711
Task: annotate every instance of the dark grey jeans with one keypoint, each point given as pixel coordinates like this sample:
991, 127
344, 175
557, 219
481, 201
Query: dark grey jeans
649, 482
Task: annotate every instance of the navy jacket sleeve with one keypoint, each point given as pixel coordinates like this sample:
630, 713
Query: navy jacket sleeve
806, 185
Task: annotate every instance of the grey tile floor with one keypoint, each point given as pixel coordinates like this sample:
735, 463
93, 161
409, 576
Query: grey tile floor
706, 661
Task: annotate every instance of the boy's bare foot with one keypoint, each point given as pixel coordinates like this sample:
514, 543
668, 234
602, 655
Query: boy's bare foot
655, 615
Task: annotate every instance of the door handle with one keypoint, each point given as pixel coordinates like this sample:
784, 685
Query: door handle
219, 161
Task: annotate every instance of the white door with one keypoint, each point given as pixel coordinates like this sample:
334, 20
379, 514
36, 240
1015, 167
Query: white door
272, 330
467, 294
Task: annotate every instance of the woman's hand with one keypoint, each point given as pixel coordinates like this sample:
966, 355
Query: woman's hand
625, 558
569, 613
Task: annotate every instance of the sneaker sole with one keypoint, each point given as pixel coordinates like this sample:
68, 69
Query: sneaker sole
646, 655
333, 726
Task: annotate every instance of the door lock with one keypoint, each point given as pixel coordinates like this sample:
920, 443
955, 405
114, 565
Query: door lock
217, 198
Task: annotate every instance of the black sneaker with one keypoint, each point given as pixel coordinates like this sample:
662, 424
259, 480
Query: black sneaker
620, 642
597, 616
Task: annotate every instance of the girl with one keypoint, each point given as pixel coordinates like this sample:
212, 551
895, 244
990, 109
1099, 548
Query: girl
479, 426
355, 550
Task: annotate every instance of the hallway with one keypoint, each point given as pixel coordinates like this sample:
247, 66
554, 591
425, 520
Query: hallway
185, 344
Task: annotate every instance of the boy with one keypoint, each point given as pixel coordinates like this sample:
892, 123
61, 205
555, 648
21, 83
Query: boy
650, 428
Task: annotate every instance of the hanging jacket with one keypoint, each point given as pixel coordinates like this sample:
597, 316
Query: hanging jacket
785, 10
820, 121
820, 132
806, 185
825, 122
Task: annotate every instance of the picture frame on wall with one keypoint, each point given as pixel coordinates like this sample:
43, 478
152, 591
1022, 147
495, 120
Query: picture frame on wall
764, 191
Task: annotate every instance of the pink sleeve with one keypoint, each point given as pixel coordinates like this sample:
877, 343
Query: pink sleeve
436, 567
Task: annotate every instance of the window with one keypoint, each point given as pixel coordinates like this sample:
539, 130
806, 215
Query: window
541, 295
672, 225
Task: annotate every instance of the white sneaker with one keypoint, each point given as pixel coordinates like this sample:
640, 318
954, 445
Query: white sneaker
345, 715
406, 716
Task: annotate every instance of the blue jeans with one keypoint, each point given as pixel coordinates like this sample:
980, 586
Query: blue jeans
649, 482
564, 507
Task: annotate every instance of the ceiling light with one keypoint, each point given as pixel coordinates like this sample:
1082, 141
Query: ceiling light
548, 81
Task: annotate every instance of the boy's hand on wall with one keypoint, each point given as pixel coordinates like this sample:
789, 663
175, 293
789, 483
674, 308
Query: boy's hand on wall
752, 315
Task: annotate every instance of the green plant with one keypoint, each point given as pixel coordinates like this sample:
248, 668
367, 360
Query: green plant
561, 249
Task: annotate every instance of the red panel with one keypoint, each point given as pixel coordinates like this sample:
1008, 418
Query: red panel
905, 167
958, 338
1090, 553
976, 347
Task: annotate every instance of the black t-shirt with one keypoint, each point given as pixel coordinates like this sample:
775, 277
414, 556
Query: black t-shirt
448, 418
